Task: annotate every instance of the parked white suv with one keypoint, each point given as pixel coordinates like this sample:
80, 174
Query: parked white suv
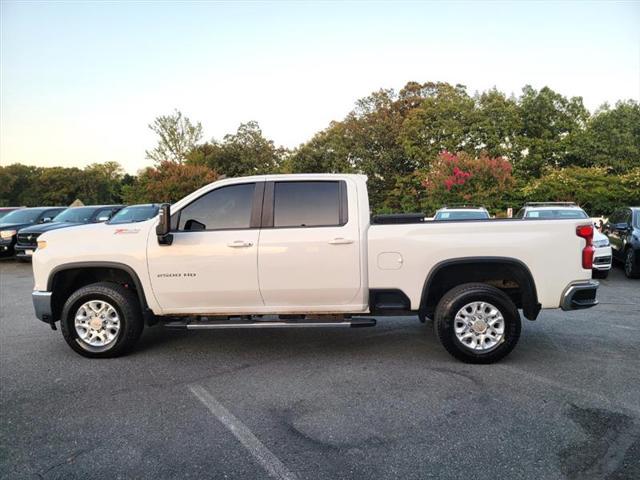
602, 256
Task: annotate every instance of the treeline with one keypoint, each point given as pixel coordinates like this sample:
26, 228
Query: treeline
423, 146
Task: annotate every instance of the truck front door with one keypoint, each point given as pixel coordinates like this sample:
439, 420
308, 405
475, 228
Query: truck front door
211, 266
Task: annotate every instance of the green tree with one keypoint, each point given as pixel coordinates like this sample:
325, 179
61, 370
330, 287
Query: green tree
550, 124
247, 152
102, 183
443, 121
611, 139
595, 189
167, 182
177, 136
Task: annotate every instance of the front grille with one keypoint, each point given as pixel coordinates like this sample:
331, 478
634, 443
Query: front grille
602, 260
28, 239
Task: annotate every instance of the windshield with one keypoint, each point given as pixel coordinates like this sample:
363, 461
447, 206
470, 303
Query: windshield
4, 212
75, 215
557, 213
22, 216
462, 215
135, 213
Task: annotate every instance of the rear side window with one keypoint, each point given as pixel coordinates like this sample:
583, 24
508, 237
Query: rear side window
309, 204
224, 208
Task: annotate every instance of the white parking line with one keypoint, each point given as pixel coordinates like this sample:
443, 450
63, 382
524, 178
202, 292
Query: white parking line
262, 454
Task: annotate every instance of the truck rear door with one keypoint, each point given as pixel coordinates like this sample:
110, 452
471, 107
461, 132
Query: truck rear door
309, 248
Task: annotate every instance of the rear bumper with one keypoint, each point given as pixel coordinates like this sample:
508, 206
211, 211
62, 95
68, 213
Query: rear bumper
42, 305
580, 295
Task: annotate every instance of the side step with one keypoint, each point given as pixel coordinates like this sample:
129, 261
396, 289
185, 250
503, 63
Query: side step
219, 324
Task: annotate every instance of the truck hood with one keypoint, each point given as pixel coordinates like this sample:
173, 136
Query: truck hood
47, 227
14, 226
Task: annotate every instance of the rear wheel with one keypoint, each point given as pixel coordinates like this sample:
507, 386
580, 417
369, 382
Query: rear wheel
102, 320
477, 323
630, 269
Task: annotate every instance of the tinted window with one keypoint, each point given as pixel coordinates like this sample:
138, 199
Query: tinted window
75, 215
568, 213
222, 208
615, 217
22, 216
134, 213
306, 204
104, 214
470, 215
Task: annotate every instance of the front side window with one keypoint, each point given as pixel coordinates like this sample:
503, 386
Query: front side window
307, 204
224, 208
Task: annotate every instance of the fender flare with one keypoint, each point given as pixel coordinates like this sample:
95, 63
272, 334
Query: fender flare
530, 305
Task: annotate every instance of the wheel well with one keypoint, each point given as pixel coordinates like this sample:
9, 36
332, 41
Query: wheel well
64, 282
509, 275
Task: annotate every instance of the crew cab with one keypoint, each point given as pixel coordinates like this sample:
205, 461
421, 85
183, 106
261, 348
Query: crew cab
302, 251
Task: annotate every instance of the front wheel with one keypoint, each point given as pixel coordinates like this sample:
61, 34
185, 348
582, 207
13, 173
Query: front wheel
101, 320
477, 323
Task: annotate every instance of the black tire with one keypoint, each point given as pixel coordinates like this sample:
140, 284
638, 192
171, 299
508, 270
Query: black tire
630, 269
600, 274
454, 300
126, 304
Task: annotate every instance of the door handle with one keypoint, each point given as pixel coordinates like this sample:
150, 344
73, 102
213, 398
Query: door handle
239, 244
340, 241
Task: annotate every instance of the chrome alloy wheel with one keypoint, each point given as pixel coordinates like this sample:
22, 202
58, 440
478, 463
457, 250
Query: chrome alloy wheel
97, 323
479, 326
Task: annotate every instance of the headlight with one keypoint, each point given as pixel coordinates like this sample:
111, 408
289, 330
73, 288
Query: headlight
7, 233
42, 244
601, 243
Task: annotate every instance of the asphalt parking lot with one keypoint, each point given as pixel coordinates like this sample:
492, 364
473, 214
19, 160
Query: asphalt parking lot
383, 402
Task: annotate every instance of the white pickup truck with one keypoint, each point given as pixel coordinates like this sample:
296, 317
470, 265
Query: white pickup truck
302, 251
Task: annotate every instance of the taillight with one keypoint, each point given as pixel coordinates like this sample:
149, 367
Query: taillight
586, 232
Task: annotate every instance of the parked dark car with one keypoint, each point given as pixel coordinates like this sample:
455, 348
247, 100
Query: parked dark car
25, 217
5, 210
28, 237
135, 213
623, 230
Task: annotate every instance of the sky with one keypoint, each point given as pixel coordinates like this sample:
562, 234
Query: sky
80, 82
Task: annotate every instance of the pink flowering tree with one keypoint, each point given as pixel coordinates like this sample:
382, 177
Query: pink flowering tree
463, 178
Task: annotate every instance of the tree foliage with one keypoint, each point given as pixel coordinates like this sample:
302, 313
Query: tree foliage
538, 145
247, 152
167, 182
32, 186
177, 136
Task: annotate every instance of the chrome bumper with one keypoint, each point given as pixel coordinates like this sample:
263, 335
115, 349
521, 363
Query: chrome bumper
42, 305
580, 295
